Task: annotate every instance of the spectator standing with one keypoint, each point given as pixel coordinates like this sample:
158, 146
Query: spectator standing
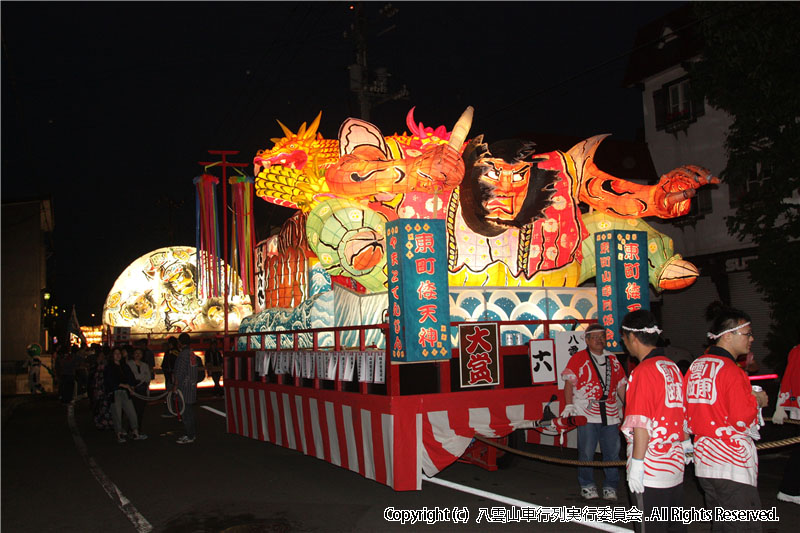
91, 365
66, 374
594, 387
118, 381
102, 403
788, 401
168, 366
148, 357
214, 363
81, 372
653, 425
141, 379
722, 414
185, 379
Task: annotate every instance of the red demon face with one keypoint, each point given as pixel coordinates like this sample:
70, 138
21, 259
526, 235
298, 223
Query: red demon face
509, 184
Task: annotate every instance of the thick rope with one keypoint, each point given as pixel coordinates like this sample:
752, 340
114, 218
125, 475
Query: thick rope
168, 396
149, 398
178, 401
574, 462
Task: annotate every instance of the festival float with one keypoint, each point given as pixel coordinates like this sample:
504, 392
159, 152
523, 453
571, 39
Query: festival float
427, 290
164, 293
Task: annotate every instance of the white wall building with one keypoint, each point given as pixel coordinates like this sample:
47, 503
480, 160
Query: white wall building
680, 128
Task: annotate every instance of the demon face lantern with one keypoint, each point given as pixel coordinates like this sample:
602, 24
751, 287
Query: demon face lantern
502, 188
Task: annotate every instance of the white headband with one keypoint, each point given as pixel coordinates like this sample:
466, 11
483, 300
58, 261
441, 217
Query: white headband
720, 334
653, 329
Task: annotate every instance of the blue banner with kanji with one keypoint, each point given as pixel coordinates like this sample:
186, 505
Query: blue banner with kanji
622, 279
419, 306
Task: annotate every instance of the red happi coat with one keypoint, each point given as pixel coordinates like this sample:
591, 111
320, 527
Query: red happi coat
721, 412
790, 385
654, 401
588, 389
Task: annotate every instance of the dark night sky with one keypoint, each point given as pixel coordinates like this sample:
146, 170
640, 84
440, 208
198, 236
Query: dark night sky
108, 107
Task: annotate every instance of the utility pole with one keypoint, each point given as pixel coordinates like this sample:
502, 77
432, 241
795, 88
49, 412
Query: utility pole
370, 93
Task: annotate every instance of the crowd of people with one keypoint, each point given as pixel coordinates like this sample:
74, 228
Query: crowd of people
706, 413
117, 381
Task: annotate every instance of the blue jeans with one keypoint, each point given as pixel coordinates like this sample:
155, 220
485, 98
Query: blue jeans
588, 436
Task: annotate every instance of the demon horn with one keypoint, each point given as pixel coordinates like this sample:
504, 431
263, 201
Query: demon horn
461, 129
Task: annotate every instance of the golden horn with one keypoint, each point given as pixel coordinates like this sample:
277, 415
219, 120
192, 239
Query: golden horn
461, 129
312, 129
286, 131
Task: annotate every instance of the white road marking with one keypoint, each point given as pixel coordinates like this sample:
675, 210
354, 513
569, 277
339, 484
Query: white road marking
139, 522
215, 411
517, 503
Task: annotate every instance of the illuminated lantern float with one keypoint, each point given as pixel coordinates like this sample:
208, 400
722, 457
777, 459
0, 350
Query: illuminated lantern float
395, 228
157, 294
512, 221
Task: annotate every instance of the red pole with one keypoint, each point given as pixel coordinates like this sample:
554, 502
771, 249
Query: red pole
225, 259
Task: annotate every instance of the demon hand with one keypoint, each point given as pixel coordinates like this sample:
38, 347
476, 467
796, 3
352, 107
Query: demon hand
676, 188
438, 169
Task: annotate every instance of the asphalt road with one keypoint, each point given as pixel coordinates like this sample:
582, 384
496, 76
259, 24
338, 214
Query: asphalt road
58, 476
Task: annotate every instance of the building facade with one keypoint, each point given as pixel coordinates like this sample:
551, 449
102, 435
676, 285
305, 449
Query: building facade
26, 225
681, 128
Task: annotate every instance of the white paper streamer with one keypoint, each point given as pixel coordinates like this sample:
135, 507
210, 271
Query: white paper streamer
370, 359
259, 363
380, 367
319, 363
362, 367
350, 364
309, 365
342, 360
332, 362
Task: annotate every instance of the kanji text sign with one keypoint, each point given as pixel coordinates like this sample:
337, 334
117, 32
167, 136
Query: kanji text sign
478, 354
419, 307
543, 361
622, 279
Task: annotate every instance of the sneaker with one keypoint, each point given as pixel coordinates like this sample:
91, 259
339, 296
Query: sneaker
589, 493
184, 440
140, 436
782, 496
121, 439
609, 494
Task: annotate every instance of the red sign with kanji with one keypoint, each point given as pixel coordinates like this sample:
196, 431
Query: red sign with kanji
479, 355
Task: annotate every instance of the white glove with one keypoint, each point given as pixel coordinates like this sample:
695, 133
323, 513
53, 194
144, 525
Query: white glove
636, 475
687, 449
779, 416
569, 410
